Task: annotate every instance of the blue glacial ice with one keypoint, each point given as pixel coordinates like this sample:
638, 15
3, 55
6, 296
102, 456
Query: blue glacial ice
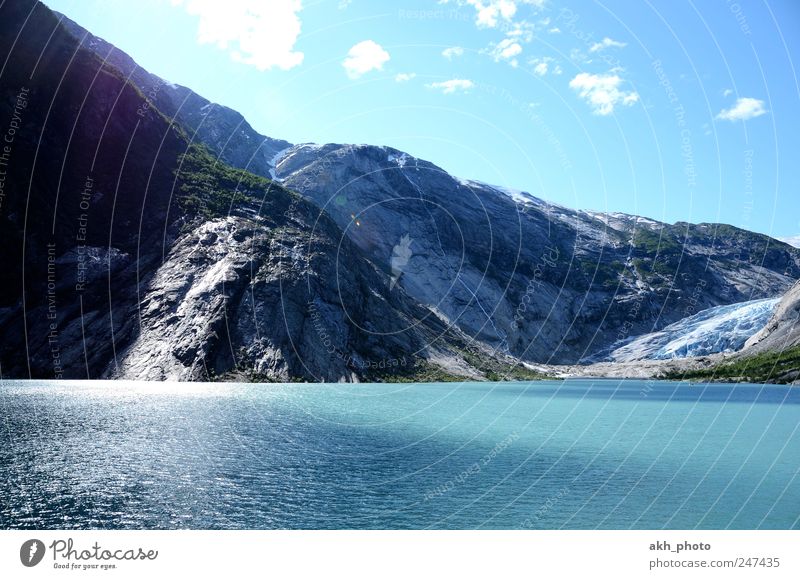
717, 329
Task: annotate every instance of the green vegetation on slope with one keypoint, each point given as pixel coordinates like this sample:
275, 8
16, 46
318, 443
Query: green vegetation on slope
210, 188
768, 368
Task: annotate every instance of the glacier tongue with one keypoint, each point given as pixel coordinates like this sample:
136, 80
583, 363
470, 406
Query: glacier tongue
717, 329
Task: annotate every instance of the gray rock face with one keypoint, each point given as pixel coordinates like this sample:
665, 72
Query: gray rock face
533, 279
520, 275
783, 329
236, 296
137, 270
387, 262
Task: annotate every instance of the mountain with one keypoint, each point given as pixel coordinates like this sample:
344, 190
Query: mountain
131, 252
534, 279
152, 234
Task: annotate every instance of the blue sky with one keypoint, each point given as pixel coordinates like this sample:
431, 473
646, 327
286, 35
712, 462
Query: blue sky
679, 111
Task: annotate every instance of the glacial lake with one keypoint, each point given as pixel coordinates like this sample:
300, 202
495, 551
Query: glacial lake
540, 455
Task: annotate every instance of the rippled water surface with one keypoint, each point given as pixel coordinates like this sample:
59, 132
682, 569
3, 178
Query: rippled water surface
575, 454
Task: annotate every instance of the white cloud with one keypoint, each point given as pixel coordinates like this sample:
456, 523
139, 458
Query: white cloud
744, 109
404, 76
261, 34
452, 52
491, 13
545, 64
364, 57
727, 92
607, 43
554, 30
453, 85
521, 31
507, 49
602, 92
576, 55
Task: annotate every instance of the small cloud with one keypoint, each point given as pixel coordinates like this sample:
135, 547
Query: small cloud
520, 31
545, 64
491, 13
261, 34
745, 108
453, 85
727, 92
554, 30
343, 4
364, 57
607, 43
452, 52
507, 49
602, 92
404, 76
576, 55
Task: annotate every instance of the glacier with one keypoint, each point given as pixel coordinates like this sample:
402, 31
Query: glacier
711, 331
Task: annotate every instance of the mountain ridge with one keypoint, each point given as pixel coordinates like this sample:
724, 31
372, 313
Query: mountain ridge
485, 284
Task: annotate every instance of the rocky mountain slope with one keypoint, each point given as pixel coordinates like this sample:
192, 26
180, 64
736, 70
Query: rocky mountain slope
782, 331
536, 280
130, 252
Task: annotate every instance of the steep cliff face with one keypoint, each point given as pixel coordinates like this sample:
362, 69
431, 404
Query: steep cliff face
276, 295
82, 217
534, 279
783, 328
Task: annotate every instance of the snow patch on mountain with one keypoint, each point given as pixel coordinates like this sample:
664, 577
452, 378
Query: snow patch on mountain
794, 241
400, 159
275, 161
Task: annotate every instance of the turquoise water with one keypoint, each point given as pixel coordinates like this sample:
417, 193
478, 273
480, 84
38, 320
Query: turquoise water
548, 455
